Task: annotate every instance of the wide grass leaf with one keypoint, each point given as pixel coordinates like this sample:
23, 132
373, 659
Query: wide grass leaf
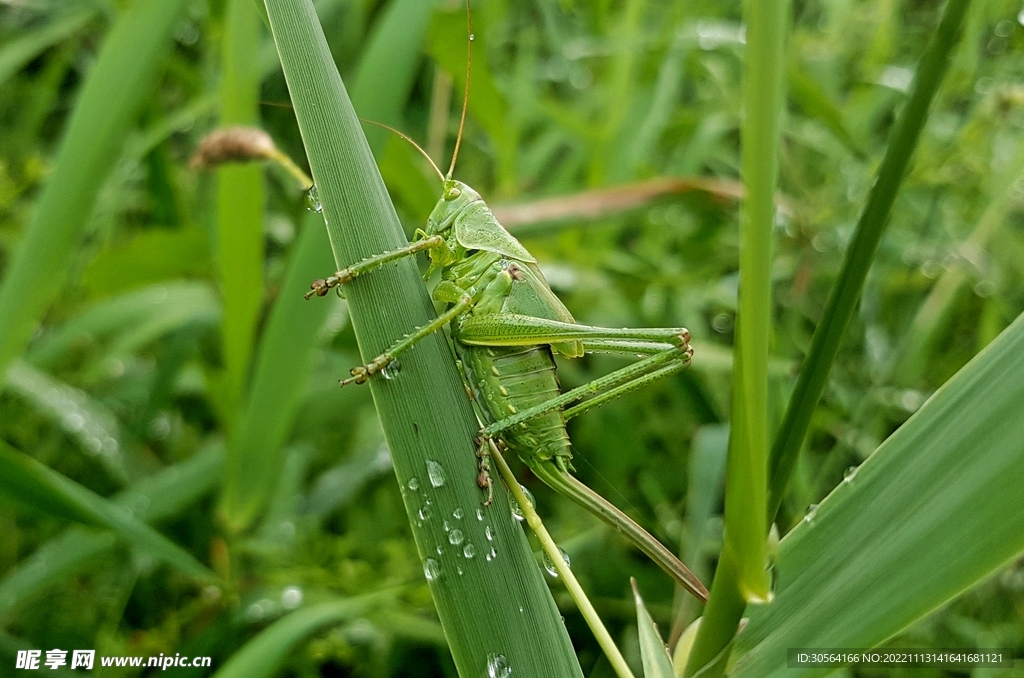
935, 509
496, 611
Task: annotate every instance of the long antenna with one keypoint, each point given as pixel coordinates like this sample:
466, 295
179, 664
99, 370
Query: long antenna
465, 96
407, 138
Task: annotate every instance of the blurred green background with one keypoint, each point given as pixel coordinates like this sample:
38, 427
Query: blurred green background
163, 323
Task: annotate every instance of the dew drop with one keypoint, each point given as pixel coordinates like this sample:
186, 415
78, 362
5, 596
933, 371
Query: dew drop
446, 526
424, 512
550, 566
413, 484
468, 551
489, 533
811, 510
457, 514
517, 512
431, 569
291, 597
455, 537
435, 472
472, 37
458, 568
439, 549
391, 370
497, 666
313, 200
849, 474
479, 514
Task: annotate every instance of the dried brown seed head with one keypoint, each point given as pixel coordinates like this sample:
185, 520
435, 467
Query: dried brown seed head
233, 144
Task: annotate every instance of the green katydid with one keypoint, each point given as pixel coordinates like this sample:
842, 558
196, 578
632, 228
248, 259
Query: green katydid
505, 325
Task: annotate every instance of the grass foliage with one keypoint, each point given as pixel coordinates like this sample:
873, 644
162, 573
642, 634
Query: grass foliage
179, 472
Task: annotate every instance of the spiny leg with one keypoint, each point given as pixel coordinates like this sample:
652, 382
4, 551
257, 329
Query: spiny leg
509, 329
611, 385
363, 372
667, 350
321, 286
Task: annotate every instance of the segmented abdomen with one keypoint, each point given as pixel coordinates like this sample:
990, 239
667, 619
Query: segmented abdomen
508, 380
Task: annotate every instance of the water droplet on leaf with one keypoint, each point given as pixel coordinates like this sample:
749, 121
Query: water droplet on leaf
313, 200
413, 484
498, 666
455, 537
468, 551
435, 472
550, 566
431, 569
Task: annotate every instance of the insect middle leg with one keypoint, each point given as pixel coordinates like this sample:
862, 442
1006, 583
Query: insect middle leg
362, 373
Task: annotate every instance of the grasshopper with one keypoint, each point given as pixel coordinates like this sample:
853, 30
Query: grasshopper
506, 325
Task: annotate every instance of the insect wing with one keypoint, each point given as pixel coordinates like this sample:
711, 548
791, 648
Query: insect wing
477, 229
531, 296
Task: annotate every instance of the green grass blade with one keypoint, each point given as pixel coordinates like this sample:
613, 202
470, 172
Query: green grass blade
489, 608
289, 343
128, 322
35, 485
657, 663
127, 64
19, 52
240, 204
935, 509
262, 656
83, 418
844, 296
153, 499
741, 571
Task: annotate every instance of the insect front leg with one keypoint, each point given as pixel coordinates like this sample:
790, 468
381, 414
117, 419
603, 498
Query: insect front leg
322, 286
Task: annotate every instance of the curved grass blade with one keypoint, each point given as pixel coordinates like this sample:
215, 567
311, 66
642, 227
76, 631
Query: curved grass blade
152, 499
19, 52
127, 64
87, 421
39, 487
129, 321
935, 509
262, 656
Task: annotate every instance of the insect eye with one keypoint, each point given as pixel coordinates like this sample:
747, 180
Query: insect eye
453, 193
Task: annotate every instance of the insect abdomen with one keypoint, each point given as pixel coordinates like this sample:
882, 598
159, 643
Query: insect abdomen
508, 380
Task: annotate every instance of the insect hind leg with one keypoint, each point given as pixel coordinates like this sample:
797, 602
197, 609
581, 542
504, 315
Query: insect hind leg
601, 390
